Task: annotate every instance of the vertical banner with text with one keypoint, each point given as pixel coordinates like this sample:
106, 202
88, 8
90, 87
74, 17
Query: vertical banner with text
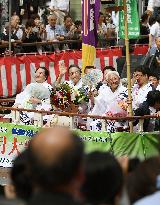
90, 15
133, 20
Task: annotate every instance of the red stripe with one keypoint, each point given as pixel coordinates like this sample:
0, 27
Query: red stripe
19, 80
8, 62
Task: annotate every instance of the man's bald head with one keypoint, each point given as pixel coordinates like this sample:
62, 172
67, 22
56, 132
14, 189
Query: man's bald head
49, 144
56, 155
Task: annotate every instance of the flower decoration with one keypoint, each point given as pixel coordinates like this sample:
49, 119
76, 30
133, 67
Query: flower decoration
61, 96
64, 96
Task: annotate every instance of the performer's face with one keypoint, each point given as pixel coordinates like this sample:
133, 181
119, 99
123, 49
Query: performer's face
68, 22
74, 75
113, 82
40, 76
141, 79
154, 81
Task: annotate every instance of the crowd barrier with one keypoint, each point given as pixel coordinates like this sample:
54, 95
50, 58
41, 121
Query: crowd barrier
43, 43
17, 71
14, 137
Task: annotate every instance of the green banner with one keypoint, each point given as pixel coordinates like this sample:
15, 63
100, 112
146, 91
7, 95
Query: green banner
15, 138
133, 20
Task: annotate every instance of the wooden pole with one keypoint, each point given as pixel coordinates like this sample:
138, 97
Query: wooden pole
10, 30
130, 111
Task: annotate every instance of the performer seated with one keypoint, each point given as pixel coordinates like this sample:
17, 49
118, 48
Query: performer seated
74, 75
111, 101
35, 96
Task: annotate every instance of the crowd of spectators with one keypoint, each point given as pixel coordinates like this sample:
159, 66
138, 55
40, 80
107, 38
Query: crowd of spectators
31, 24
62, 173
35, 31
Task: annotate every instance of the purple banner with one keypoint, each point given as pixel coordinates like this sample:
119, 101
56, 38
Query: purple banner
90, 15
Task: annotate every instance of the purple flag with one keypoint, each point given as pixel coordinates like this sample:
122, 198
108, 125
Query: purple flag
90, 15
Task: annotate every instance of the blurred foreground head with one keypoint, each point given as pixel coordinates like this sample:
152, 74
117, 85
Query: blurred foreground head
56, 160
144, 179
104, 179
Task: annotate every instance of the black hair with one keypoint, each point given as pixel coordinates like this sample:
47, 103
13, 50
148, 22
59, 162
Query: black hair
133, 163
46, 71
104, 178
144, 17
154, 75
66, 17
152, 20
61, 171
143, 180
21, 177
89, 67
78, 23
142, 69
35, 16
153, 97
74, 65
30, 23
109, 68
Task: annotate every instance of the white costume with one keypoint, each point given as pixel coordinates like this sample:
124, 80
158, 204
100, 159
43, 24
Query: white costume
149, 199
139, 94
78, 85
37, 90
108, 103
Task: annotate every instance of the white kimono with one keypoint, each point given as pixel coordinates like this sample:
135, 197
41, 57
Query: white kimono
21, 99
107, 103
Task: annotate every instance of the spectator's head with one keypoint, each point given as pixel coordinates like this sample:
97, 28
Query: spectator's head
106, 70
21, 178
52, 20
141, 75
30, 24
154, 79
132, 164
68, 22
152, 20
74, 73
104, 179
153, 99
36, 19
15, 20
113, 80
56, 160
88, 69
158, 42
143, 180
144, 18
41, 74
101, 18
78, 25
